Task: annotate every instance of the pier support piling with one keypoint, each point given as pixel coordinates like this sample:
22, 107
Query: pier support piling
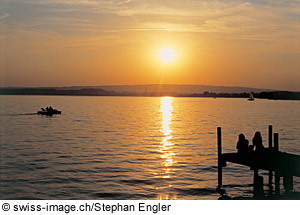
277, 177
258, 185
219, 157
288, 183
270, 146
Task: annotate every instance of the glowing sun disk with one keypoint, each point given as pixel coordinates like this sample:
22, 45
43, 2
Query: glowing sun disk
167, 54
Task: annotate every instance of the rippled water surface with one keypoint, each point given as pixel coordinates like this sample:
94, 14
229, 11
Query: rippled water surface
133, 147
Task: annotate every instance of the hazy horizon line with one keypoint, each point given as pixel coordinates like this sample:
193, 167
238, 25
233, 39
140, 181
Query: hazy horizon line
106, 85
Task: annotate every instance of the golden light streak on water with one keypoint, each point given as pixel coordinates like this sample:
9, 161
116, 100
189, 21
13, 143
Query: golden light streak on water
166, 146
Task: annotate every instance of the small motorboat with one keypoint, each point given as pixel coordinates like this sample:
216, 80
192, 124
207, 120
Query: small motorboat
48, 111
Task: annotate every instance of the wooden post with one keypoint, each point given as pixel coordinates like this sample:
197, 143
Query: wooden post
219, 157
277, 177
270, 146
276, 142
255, 176
258, 185
270, 136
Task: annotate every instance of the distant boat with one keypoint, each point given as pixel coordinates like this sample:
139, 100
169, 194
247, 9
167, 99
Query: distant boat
251, 97
48, 112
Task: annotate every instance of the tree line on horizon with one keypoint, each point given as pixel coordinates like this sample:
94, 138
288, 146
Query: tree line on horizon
276, 95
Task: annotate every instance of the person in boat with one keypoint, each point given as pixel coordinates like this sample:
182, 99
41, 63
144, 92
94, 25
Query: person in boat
50, 109
242, 144
257, 142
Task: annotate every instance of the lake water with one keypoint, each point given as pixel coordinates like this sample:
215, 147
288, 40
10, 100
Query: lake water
133, 147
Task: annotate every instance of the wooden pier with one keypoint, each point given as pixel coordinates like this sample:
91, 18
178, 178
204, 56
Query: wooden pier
283, 164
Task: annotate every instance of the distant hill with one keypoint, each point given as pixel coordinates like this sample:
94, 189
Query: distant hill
170, 88
156, 90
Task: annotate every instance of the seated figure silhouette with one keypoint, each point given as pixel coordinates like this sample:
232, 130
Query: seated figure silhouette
257, 142
242, 144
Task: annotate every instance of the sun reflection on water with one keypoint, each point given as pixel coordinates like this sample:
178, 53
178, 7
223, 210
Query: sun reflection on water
166, 146
166, 149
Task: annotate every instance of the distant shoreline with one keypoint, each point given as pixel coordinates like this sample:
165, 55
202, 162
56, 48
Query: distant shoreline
274, 95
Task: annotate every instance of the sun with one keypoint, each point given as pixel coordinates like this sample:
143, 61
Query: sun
166, 54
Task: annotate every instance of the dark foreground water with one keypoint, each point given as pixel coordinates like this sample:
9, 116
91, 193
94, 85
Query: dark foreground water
133, 148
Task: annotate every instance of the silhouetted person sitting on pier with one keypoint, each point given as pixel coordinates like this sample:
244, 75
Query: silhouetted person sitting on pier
242, 144
257, 142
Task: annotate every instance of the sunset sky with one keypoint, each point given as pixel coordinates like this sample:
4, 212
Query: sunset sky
113, 42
